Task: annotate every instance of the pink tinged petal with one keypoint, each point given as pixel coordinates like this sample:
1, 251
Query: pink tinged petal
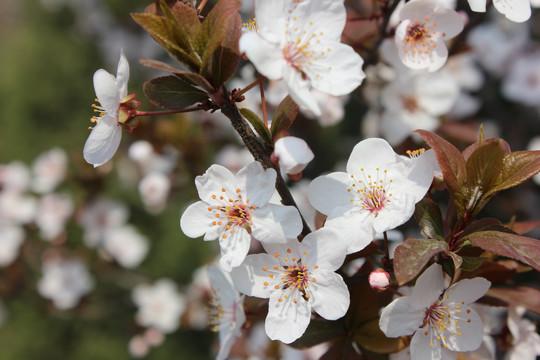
401, 318
478, 5
426, 347
267, 57
448, 22
197, 221
300, 90
369, 155
286, 320
107, 91
465, 330
122, 74
428, 288
103, 141
467, 290
252, 277
514, 10
259, 184
324, 248
355, 227
234, 246
276, 223
327, 192
211, 184
337, 72
329, 295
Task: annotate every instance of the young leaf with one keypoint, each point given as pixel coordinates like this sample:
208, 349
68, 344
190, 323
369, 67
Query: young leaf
284, 115
257, 124
429, 217
411, 257
518, 167
483, 169
189, 77
172, 93
217, 42
452, 165
472, 148
158, 28
523, 227
472, 263
524, 249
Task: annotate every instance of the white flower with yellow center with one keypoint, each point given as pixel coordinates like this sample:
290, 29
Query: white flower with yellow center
105, 136
441, 319
377, 193
227, 310
297, 277
421, 35
299, 41
232, 208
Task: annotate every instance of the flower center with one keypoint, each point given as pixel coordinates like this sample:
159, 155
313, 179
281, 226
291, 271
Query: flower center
415, 153
369, 192
251, 25
419, 37
232, 210
289, 277
297, 55
100, 112
410, 103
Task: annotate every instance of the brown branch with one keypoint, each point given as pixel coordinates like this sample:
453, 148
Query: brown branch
371, 57
259, 152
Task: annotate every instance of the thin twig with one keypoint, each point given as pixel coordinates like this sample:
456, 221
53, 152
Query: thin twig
371, 56
263, 101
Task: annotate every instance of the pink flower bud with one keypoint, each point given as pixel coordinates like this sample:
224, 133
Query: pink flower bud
379, 279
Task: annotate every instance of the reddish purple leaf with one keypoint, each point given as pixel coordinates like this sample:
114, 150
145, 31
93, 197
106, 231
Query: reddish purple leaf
411, 257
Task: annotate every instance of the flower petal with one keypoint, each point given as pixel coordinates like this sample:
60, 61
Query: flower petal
448, 21
217, 181
467, 290
267, 57
428, 288
327, 192
478, 5
300, 90
107, 91
197, 220
286, 320
370, 154
276, 223
103, 141
250, 277
400, 318
426, 347
122, 75
329, 295
234, 246
465, 330
339, 69
514, 10
324, 248
355, 227
329, 15
397, 211
258, 183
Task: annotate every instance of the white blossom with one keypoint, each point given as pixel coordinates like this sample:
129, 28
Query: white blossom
377, 193
525, 338
440, 318
300, 42
49, 170
297, 277
235, 207
421, 35
64, 282
514, 10
227, 312
104, 138
293, 154
159, 305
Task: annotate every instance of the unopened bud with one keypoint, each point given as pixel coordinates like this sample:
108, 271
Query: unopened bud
379, 279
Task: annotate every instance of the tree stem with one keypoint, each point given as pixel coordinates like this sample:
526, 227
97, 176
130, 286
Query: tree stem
259, 152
